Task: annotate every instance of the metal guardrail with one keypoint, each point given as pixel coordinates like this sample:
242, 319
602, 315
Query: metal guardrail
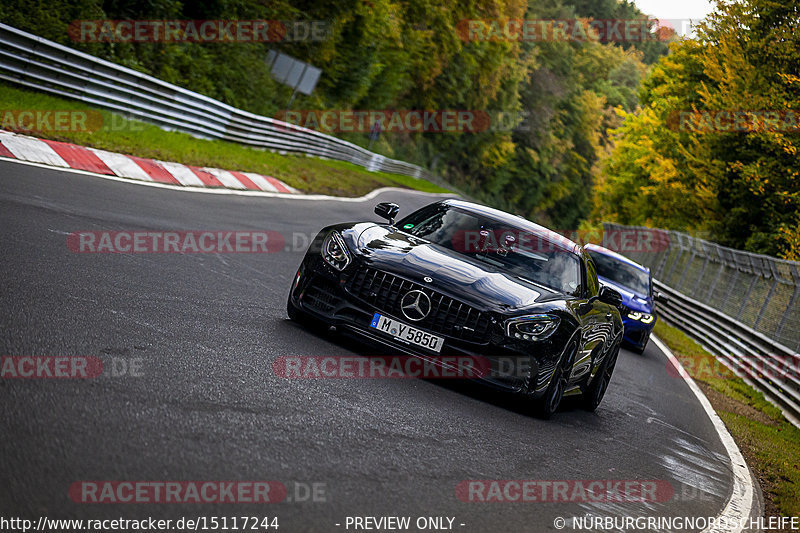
38, 63
745, 336
759, 291
769, 366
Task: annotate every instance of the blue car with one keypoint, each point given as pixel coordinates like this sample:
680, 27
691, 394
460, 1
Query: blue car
634, 282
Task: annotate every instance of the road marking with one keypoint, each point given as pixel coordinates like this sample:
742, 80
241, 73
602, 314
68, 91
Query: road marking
33, 150
305, 197
281, 186
68, 155
225, 177
740, 505
79, 157
154, 170
244, 180
182, 173
122, 165
262, 183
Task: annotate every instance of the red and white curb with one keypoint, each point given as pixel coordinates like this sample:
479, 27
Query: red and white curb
73, 156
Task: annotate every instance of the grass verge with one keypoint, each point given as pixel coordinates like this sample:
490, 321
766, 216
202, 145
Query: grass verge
114, 133
769, 442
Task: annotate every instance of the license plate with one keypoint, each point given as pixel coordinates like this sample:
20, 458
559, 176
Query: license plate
406, 333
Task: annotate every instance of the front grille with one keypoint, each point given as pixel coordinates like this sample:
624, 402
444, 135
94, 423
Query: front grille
448, 316
637, 337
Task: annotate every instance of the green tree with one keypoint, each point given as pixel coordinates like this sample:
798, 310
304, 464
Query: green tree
741, 185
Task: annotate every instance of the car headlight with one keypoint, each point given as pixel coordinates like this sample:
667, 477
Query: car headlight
334, 251
532, 327
644, 318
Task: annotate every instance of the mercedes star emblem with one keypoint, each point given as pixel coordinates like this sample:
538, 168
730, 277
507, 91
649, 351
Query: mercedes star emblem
415, 305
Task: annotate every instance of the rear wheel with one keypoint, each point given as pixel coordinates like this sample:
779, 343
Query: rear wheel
593, 395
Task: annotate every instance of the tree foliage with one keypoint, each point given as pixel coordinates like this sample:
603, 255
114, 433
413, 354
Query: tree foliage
408, 54
740, 184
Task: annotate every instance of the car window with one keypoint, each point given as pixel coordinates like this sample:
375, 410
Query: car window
516, 251
592, 284
622, 273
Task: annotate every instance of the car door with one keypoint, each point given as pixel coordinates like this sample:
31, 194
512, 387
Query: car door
603, 324
591, 315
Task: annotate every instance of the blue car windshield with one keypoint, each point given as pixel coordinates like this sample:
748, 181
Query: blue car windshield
515, 251
622, 274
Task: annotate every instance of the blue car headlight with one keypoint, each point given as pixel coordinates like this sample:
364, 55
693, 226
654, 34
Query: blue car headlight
532, 327
334, 251
644, 318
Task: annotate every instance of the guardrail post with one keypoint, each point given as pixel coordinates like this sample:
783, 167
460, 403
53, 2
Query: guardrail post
668, 277
792, 304
687, 267
659, 270
702, 273
747, 297
766, 303
715, 282
731, 286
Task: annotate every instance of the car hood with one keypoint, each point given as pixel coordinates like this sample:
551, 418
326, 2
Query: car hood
630, 299
466, 279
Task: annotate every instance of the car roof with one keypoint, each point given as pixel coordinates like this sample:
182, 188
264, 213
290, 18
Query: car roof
518, 222
619, 257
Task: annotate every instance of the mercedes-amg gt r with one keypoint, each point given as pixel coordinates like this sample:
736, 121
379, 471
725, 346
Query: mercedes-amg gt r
458, 278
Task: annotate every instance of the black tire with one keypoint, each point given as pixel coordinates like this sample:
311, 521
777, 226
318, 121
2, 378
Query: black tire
593, 395
548, 404
639, 349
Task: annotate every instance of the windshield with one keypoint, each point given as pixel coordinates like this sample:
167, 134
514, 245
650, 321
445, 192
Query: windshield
622, 273
520, 253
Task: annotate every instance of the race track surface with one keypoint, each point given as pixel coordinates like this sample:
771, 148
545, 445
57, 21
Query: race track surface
204, 330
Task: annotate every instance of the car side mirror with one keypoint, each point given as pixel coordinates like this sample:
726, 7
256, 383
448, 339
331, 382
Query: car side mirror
387, 210
660, 298
610, 296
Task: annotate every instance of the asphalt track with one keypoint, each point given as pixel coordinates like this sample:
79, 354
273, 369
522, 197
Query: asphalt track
205, 329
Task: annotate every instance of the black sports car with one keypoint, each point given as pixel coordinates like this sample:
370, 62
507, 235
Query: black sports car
457, 278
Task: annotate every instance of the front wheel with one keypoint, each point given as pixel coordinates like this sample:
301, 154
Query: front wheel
548, 404
593, 395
